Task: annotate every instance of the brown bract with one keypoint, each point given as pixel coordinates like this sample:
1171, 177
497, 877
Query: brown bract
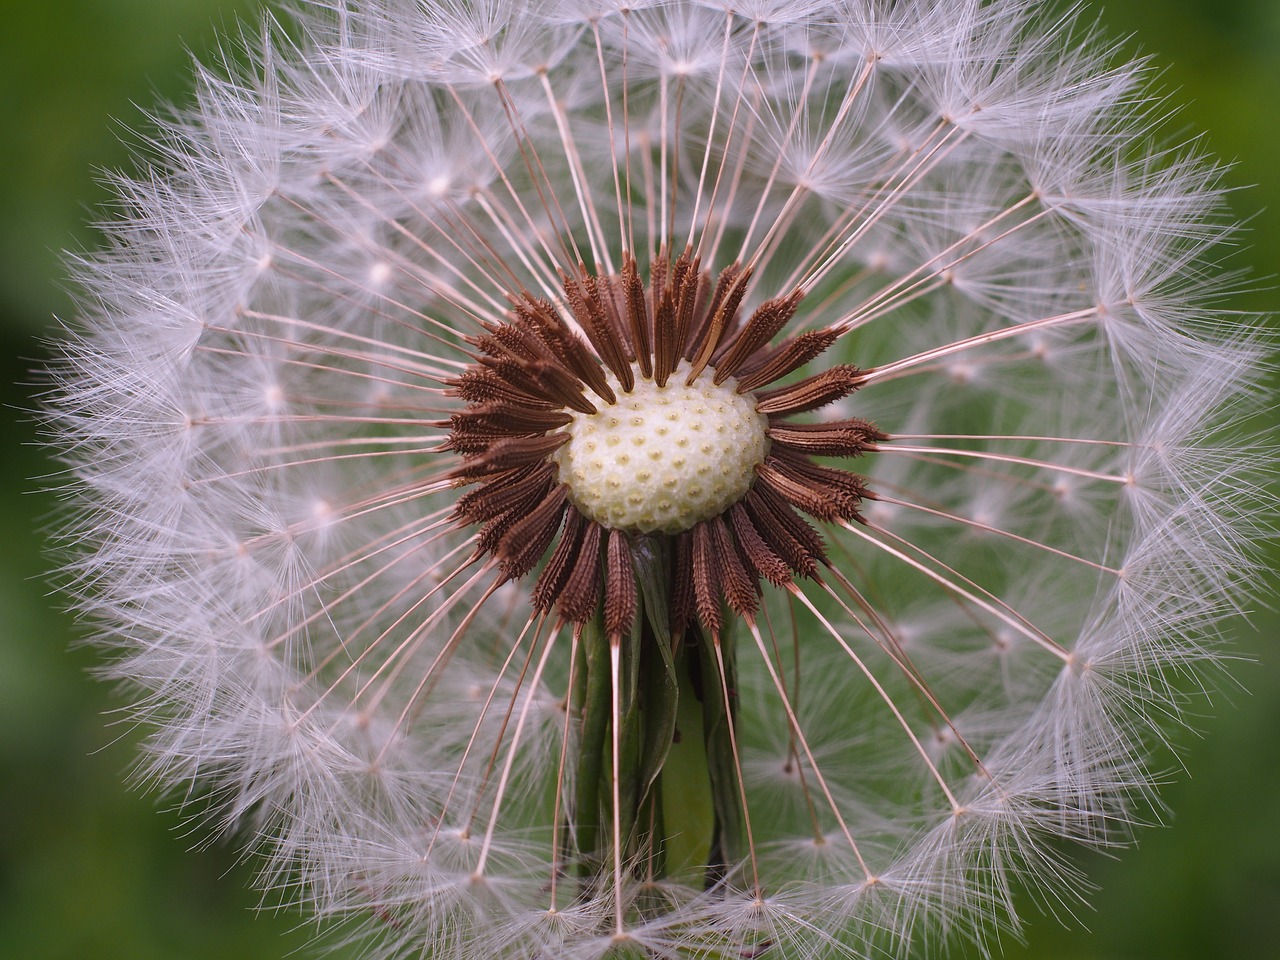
550, 358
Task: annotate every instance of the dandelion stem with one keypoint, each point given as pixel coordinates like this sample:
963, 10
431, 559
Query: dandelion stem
594, 711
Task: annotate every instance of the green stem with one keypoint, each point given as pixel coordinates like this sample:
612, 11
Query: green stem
593, 748
719, 712
680, 809
687, 805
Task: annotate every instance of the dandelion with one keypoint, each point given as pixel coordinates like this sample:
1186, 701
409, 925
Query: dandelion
662, 479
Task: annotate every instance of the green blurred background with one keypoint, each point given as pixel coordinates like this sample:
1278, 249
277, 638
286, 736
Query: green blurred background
94, 871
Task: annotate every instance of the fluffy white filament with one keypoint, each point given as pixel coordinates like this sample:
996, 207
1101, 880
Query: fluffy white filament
254, 407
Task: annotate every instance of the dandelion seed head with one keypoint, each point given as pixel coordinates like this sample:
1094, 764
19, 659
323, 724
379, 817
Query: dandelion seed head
662, 459
663, 478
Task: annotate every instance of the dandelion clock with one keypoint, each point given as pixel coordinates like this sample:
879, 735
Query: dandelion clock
669, 479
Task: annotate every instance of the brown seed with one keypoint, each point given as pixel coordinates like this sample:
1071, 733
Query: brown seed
757, 552
820, 491
785, 532
481, 385
812, 392
619, 586
720, 317
571, 349
533, 370
562, 561
529, 537
787, 357
763, 325
637, 314
581, 594
500, 418
508, 453
740, 588
682, 599
839, 438
517, 488
583, 297
706, 584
